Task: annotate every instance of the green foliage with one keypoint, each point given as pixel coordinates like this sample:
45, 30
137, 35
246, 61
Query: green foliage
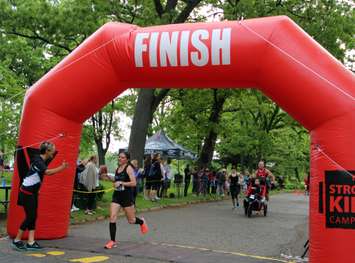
330, 22
35, 36
185, 114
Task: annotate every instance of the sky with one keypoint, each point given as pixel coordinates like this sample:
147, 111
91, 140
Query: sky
125, 125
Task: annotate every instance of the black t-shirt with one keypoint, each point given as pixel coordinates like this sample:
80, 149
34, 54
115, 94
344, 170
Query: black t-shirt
33, 179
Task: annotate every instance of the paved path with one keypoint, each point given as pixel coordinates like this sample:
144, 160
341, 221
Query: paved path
210, 232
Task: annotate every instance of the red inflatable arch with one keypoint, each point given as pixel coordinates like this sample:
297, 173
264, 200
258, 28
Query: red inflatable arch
272, 54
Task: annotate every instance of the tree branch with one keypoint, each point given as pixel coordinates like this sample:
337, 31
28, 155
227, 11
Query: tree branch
158, 8
93, 121
38, 37
185, 13
158, 98
170, 5
270, 124
109, 130
231, 110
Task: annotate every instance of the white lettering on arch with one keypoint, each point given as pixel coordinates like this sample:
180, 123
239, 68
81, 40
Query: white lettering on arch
183, 48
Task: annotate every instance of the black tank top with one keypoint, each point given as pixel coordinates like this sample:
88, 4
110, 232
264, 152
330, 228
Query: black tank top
234, 181
122, 176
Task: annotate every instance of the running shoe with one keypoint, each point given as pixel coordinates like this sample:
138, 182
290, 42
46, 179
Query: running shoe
144, 227
35, 246
18, 245
111, 244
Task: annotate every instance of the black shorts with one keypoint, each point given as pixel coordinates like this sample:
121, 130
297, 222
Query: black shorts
148, 184
156, 184
123, 198
235, 191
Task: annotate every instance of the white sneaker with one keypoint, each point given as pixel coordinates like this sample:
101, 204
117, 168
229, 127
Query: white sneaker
156, 198
74, 209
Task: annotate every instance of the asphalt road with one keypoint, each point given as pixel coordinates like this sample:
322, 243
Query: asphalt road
210, 232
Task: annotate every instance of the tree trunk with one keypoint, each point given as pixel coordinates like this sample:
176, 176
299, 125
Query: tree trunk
141, 120
207, 150
101, 152
147, 102
102, 128
210, 140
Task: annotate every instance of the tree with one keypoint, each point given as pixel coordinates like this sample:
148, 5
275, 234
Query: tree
104, 124
36, 35
192, 118
249, 134
330, 22
172, 12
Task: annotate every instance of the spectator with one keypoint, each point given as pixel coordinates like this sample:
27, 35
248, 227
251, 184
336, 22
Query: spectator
204, 181
89, 178
146, 177
194, 181
187, 179
136, 173
156, 176
221, 182
80, 167
246, 177
213, 182
167, 178
210, 179
199, 181
178, 179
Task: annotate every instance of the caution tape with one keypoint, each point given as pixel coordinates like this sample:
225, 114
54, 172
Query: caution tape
95, 192
102, 191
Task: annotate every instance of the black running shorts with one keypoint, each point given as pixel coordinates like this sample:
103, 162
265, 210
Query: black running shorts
123, 198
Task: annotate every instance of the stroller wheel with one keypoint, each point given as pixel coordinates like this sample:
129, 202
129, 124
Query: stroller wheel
245, 204
265, 210
250, 210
